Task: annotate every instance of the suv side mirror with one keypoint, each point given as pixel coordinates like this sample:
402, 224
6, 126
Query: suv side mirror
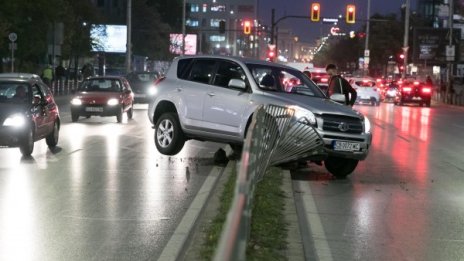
237, 83
338, 97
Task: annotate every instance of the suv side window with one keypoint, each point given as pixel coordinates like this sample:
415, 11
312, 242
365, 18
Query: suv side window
228, 71
183, 68
202, 71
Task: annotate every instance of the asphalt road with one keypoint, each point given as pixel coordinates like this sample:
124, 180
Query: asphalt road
104, 194
405, 202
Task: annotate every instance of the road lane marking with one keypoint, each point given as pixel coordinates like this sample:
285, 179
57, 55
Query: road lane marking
179, 238
313, 220
403, 138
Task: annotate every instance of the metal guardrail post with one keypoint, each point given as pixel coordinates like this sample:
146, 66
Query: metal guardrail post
274, 137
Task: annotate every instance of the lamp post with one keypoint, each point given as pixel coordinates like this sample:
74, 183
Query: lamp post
184, 3
406, 38
450, 57
366, 47
129, 37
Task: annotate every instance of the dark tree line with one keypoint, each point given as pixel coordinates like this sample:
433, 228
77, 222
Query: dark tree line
153, 20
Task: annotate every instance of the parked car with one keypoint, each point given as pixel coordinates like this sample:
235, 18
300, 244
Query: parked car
143, 85
28, 112
368, 92
103, 96
212, 98
414, 92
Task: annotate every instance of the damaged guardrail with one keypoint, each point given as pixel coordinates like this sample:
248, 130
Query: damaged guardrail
274, 137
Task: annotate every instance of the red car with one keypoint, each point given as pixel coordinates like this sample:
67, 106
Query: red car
103, 96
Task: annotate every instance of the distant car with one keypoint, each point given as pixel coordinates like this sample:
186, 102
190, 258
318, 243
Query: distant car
391, 92
414, 92
320, 77
143, 85
103, 96
28, 112
368, 92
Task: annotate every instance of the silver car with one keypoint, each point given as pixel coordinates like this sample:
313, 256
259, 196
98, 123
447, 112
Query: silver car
212, 98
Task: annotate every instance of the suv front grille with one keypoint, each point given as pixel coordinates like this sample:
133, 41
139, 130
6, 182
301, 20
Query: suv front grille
343, 124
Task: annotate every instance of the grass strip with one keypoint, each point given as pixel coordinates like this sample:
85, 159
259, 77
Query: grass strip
268, 228
213, 233
268, 238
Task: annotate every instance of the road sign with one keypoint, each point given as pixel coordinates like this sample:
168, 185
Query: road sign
366, 53
450, 53
13, 37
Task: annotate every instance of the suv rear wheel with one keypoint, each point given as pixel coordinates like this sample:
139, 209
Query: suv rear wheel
169, 138
340, 167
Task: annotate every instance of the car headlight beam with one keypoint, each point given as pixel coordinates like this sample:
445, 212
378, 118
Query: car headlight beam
367, 125
304, 116
113, 102
76, 101
15, 121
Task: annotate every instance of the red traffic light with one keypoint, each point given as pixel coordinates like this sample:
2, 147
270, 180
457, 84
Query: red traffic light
350, 14
247, 27
315, 12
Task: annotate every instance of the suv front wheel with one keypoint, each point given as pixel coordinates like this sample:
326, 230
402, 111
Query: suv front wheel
169, 138
340, 167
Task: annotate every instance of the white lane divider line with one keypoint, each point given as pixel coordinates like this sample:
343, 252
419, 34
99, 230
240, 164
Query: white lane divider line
321, 244
180, 236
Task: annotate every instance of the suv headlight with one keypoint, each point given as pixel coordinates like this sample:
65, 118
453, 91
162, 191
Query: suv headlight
113, 102
367, 125
76, 101
16, 120
304, 116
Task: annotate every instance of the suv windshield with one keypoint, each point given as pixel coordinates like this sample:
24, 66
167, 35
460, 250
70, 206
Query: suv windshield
11, 92
101, 85
279, 79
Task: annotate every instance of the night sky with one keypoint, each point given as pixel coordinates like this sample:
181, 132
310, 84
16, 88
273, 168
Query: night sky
308, 31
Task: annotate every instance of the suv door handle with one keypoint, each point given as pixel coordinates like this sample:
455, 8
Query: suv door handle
179, 89
211, 94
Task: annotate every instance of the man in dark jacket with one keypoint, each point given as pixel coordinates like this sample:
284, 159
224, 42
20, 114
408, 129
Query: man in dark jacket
338, 84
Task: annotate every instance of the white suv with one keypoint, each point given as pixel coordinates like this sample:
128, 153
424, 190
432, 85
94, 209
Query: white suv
212, 98
368, 92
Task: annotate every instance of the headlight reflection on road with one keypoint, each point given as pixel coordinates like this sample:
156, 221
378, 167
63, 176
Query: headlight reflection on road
17, 216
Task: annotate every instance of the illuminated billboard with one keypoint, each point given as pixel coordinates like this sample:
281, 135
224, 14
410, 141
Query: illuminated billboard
108, 38
175, 45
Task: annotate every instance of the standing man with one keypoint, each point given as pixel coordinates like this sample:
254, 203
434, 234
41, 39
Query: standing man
47, 75
338, 84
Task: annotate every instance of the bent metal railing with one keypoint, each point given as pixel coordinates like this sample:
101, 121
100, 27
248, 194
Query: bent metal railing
274, 137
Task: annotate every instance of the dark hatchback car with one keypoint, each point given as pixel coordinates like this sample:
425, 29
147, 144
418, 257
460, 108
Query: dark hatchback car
143, 85
28, 112
414, 92
103, 96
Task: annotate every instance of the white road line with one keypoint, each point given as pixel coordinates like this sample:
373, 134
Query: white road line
178, 239
321, 244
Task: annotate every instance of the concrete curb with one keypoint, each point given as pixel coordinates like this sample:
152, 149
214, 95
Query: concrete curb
192, 249
294, 240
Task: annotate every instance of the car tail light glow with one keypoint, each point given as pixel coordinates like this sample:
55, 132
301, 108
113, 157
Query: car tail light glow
416, 83
426, 90
160, 79
324, 80
407, 89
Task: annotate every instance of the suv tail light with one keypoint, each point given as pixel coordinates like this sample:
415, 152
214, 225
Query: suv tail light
159, 80
324, 80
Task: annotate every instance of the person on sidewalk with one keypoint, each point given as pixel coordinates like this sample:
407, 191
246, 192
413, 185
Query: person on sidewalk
47, 75
338, 84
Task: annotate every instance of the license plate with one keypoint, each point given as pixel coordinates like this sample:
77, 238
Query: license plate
138, 95
346, 146
94, 109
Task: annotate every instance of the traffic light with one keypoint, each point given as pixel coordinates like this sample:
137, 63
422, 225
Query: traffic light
315, 12
222, 27
247, 27
350, 14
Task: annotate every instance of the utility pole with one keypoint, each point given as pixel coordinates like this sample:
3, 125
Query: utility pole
450, 58
366, 47
184, 3
129, 37
272, 25
406, 38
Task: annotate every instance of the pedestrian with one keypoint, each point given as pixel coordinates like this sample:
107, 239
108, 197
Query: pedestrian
428, 80
47, 75
339, 85
60, 72
307, 73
